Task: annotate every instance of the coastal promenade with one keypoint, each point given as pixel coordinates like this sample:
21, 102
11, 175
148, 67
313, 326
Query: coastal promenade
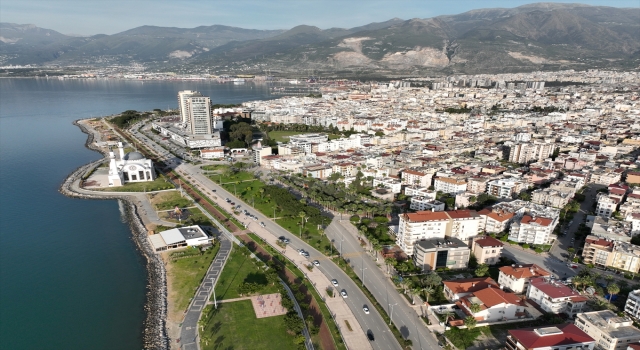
189, 329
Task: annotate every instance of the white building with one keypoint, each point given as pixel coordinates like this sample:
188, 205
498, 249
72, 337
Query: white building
182, 104
554, 297
609, 331
394, 185
606, 205
179, 237
421, 225
419, 203
516, 278
130, 167
533, 230
450, 185
632, 307
416, 178
199, 113
506, 187
495, 305
213, 153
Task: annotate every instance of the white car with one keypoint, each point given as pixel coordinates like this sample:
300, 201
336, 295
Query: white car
316, 263
334, 282
262, 224
343, 293
365, 309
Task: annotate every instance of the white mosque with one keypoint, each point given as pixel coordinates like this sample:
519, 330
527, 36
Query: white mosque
131, 167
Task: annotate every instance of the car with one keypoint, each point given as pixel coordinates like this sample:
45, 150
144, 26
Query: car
233, 203
227, 200
286, 241
343, 293
301, 251
316, 263
370, 335
255, 218
365, 309
305, 254
281, 238
334, 282
262, 224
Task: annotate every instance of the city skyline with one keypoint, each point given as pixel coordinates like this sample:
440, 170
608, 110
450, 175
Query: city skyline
96, 17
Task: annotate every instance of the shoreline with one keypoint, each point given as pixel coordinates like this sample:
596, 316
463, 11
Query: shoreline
154, 328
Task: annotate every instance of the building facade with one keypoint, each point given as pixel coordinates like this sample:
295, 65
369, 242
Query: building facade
487, 250
609, 331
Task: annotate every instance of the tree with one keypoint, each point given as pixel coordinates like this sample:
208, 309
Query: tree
432, 279
613, 289
293, 322
571, 250
470, 322
482, 270
609, 279
428, 290
391, 262
475, 308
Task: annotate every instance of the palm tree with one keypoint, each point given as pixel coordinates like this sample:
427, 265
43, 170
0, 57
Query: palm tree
415, 291
613, 289
428, 290
475, 308
609, 279
447, 315
390, 262
470, 322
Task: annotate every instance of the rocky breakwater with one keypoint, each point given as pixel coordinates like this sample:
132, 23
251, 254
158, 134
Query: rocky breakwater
154, 330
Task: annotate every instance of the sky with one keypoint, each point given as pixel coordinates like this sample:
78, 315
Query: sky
89, 17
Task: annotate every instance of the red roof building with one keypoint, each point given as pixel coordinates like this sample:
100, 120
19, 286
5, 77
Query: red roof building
564, 336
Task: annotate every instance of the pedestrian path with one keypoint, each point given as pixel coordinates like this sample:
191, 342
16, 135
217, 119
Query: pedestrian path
228, 300
189, 329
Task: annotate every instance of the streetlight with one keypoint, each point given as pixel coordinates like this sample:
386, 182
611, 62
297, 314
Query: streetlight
274, 214
342, 240
363, 268
391, 313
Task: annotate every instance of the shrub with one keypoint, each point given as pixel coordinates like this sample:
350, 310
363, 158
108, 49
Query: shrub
525, 246
354, 219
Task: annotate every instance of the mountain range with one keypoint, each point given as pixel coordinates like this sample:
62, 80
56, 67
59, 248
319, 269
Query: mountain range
541, 36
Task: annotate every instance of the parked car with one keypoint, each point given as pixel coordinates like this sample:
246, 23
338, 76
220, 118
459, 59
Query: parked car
316, 263
343, 293
370, 335
334, 282
262, 224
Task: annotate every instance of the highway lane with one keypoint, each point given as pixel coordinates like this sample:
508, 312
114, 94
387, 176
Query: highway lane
404, 316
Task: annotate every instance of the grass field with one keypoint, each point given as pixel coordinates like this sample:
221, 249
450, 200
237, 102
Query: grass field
157, 184
169, 200
196, 217
238, 269
186, 272
283, 136
235, 326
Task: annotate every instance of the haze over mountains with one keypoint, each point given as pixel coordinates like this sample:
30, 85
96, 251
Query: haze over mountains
540, 36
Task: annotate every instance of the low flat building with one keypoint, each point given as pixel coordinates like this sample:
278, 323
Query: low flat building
516, 278
431, 254
179, 237
212, 153
609, 331
487, 250
555, 297
559, 337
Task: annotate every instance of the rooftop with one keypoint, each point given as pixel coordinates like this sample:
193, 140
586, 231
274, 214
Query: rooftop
488, 241
524, 271
553, 336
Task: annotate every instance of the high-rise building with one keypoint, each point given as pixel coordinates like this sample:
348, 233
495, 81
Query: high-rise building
528, 152
199, 113
182, 104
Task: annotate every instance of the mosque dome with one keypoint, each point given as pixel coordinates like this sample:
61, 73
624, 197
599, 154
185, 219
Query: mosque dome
133, 156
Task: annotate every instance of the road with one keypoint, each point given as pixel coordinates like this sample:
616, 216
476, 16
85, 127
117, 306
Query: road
404, 316
356, 299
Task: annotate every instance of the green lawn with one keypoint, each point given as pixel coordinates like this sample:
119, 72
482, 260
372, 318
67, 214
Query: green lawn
157, 184
215, 167
230, 180
239, 269
186, 270
235, 326
283, 136
170, 200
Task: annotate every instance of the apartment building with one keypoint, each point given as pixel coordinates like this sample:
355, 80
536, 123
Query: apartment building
431, 254
609, 331
426, 203
632, 307
602, 177
487, 250
495, 220
450, 185
516, 278
318, 171
551, 198
346, 169
606, 205
199, 114
564, 336
394, 185
607, 253
478, 184
530, 152
416, 178
421, 225
460, 224
533, 229
505, 188
420, 191
182, 104
554, 297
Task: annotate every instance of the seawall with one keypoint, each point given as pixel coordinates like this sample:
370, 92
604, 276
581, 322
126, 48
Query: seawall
154, 331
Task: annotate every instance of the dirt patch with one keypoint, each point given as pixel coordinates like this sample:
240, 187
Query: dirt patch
174, 317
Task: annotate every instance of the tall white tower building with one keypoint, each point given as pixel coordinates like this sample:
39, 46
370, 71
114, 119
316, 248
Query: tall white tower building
182, 104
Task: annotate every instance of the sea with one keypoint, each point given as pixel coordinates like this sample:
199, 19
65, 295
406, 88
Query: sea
70, 274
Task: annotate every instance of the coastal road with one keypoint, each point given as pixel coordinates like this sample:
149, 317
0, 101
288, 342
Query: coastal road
356, 299
189, 329
404, 316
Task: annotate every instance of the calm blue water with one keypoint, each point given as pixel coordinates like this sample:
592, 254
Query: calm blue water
70, 276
